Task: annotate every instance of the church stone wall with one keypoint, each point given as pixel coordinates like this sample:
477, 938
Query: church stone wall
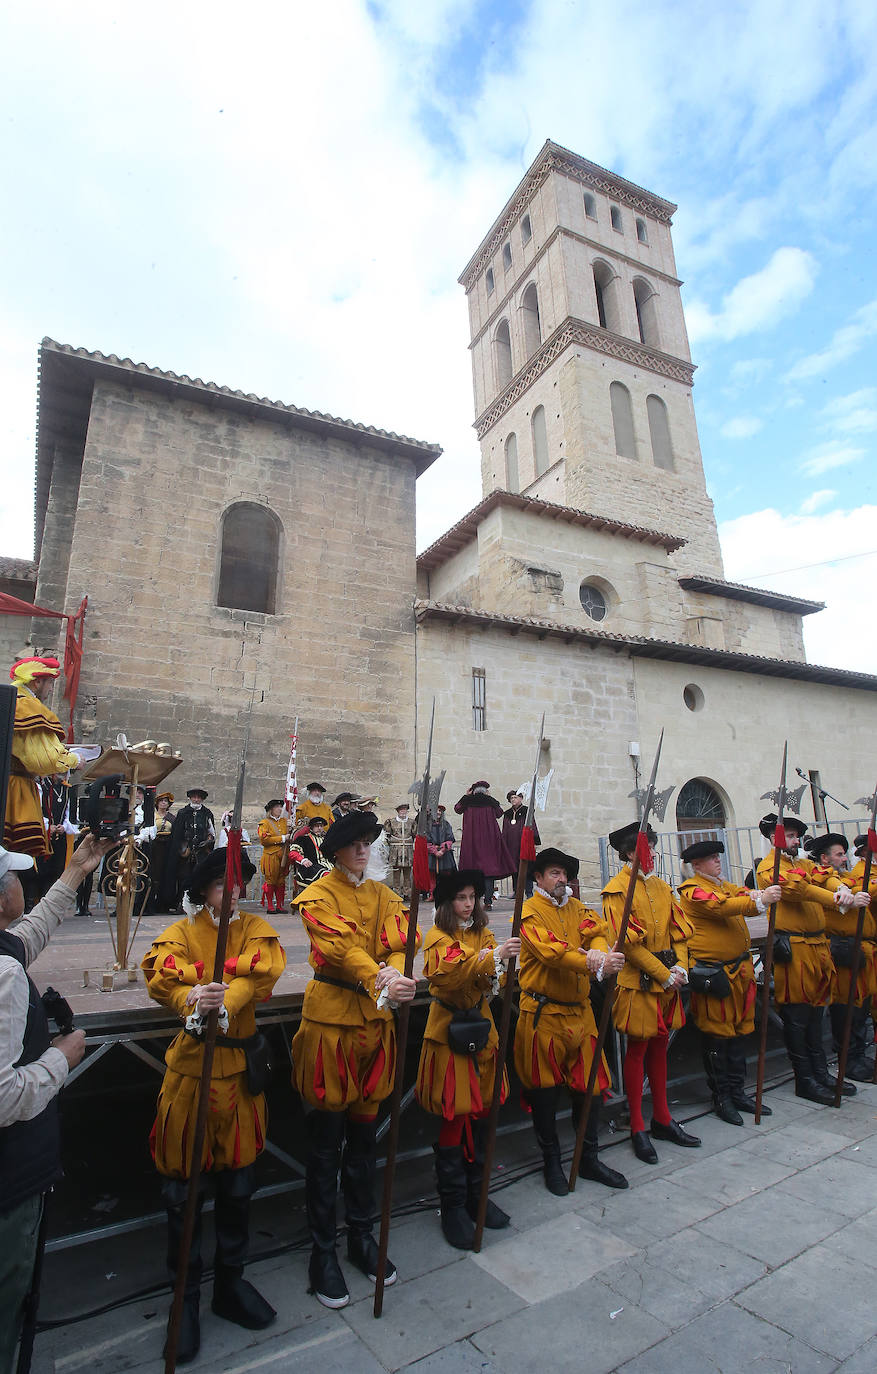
163, 661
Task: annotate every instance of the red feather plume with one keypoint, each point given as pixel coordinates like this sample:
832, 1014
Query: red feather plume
644, 853
528, 845
421, 877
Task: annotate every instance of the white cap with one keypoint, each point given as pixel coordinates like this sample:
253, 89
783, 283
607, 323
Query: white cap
10, 862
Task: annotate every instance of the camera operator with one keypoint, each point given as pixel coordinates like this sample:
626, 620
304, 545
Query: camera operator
33, 1069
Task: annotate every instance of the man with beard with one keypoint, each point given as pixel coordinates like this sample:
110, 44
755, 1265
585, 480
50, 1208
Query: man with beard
314, 804
400, 832
482, 845
192, 838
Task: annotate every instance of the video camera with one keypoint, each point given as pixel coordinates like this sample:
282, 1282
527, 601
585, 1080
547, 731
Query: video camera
58, 1009
107, 812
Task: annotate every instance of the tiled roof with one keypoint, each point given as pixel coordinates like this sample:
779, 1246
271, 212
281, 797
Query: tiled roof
638, 647
18, 569
466, 529
757, 596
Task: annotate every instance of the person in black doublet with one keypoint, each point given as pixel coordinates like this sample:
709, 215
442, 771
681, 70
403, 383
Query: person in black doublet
192, 838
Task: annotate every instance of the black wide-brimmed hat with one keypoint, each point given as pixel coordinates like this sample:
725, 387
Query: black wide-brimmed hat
701, 849
315, 787
546, 857
356, 825
482, 783
767, 824
860, 844
211, 868
198, 792
344, 796
447, 885
316, 820
817, 844
625, 836
275, 801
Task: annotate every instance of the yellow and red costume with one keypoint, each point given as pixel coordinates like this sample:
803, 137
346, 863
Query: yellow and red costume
182, 958
461, 971
274, 837
657, 925
307, 810
717, 911
556, 1032
38, 751
808, 895
839, 921
344, 1052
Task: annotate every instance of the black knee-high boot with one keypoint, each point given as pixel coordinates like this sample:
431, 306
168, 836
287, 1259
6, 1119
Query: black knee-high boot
742, 1100
358, 1168
450, 1178
858, 1067
795, 1017
326, 1131
175, 1191
494, 1218
590, 1164
715, 1063
818, 1058
543, 1104
234, 1297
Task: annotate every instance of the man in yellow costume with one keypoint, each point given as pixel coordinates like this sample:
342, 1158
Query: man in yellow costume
274, 839
314, 804
804, 978
563, 944
344, 1052
38, 751
179, 969
869, 945
721, 974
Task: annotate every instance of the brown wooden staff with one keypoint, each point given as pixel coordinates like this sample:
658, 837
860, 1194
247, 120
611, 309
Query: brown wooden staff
779, 844
419, 858
641, 857
528, 853
843, 1054
233, 879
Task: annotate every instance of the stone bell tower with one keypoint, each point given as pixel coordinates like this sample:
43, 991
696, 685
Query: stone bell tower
581, 367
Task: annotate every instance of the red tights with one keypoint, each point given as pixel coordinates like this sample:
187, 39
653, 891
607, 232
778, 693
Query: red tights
451, 1132
646, 1057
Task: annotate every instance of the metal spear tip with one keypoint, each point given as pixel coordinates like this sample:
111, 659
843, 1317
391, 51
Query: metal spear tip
869, 802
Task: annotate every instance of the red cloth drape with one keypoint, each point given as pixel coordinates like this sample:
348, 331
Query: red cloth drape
11, 605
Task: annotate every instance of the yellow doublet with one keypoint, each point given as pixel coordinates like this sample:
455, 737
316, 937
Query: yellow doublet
38, 751
460, 969
179, 959
344, 1051
656, 923
841, 922
717, 911
555, 1038
307, 810
273, 837
807, 895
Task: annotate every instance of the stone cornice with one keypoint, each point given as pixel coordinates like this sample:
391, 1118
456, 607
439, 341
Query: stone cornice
570, 332
554, 158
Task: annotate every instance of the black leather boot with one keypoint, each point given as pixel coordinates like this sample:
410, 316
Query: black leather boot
590, 1164
458, 1227
175, 1192
814, 1038
494, 1218
234, 1297
795, 1017
358, 1170
715, 1064
326, 1131
742, 1100
858, 1066
543, 1104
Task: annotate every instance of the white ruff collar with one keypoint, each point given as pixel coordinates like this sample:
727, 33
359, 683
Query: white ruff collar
353, 878
553, 900
193, 911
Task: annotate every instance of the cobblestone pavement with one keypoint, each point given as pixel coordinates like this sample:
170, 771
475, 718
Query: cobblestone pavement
757, 1252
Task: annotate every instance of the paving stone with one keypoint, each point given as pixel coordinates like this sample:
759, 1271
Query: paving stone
431, 1312
863, 1362
768, 1228
837, 1183
731, 1176
677, 1278
865, 1152
812, 1297
461, 1358
859, 1239
727, 1340
555, 1257
652, 1210
572, 1331
798, 1145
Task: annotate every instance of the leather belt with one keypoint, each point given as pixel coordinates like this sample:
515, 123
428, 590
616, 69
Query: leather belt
547, 1001
341, 983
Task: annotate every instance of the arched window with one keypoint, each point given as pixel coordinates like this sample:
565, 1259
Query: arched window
512, 480
615, 218
606, 291
490, 281
532, 323
526, 230
659, 433
590, 206
507, 257
645, 300
502, 354
699, 807
540, 440
622, 420
249, 558
642, 232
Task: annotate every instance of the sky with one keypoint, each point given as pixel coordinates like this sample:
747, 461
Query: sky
280, 198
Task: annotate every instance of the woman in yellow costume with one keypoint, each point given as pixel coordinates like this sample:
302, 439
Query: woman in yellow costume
38, 751
648, 1001
274, 837
344, 1052
464, 968
178, 968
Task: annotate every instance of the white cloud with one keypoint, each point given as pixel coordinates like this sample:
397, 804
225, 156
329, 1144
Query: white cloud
826, 457
741, 427
852, 414
815, 500
830, 557
843, 344
758, 301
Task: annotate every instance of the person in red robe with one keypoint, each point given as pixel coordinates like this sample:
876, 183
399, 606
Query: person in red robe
482, 845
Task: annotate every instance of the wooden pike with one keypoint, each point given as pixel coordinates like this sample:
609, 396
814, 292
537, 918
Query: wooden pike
857, 950
779, 844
